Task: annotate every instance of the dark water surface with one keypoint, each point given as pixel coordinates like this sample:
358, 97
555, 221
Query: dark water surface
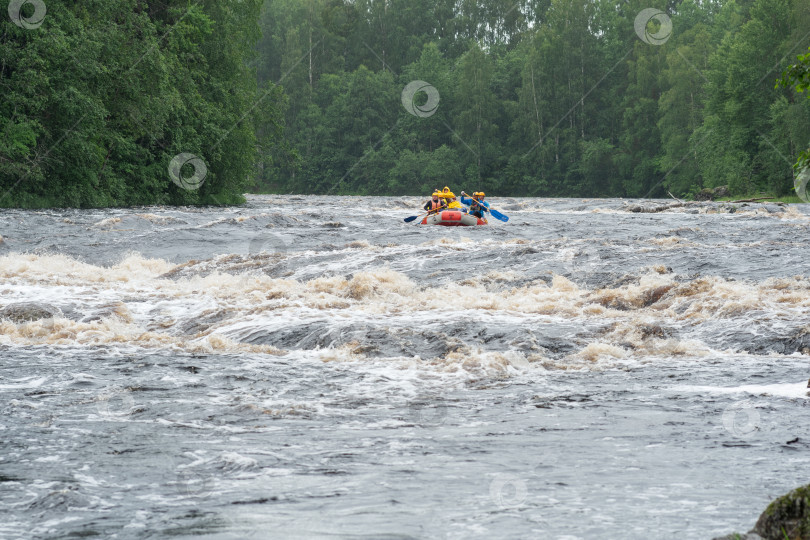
313, 367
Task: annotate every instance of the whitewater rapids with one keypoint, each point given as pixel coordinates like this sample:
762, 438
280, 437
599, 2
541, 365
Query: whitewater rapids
315, 367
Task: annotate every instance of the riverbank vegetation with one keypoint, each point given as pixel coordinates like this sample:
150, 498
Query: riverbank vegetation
582, 98
538, 98
99, 97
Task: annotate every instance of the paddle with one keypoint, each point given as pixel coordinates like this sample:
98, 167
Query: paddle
409, 219
495, 213
498, 215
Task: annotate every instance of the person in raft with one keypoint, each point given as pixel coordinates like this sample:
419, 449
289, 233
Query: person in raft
450, 199
452, 202
478, 206
435, 203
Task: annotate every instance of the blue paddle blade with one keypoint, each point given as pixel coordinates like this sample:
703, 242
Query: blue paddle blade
409, 219
498, 215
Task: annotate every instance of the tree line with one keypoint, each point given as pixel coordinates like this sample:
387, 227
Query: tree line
536, 98
101, 97
127, 102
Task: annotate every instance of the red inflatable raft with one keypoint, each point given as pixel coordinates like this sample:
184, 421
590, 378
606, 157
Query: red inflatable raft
453, 218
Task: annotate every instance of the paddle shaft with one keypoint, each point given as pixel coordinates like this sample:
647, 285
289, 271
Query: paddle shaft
497, 215
411, 218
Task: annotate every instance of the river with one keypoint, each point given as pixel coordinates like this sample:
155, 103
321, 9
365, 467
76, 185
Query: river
314, 367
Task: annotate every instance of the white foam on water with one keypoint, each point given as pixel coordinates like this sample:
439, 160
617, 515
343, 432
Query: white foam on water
786, 390
515, 365
135, 303
26, 382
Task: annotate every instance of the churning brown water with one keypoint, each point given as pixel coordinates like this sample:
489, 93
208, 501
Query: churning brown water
313, 367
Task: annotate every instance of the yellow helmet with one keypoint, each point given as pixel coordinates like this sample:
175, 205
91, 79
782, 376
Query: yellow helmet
481, 193
435, 194
476, 194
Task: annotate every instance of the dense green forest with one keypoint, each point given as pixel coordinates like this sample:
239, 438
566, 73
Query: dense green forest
100, 96
124, 102
538, 97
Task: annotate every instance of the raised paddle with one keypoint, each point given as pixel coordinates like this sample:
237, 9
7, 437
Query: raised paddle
492, 211
495, 213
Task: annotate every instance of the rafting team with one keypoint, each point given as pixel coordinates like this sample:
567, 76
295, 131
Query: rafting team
446, 200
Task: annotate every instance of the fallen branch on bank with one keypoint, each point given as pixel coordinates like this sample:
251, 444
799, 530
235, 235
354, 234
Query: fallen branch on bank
753, 200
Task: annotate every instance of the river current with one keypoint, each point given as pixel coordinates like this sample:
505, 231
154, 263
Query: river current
314, 367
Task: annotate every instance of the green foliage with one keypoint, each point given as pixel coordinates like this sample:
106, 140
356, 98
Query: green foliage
100, 98
543, 97
798, 75
681, 108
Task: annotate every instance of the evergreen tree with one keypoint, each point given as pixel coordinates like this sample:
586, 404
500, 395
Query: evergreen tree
539, 97
102, 97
